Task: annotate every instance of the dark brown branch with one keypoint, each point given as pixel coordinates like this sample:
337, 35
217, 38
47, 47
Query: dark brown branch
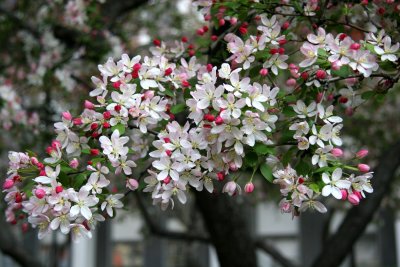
158, 231
274, 253
357, 219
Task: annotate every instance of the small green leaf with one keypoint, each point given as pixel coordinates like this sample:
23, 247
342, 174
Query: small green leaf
343, 72
169, 92
303, 167
97, 160
86, 151
322, 52
251, 159
266, 171
79, 180
314, 188
288, 111
178, 108
262, 149
66, 169
120, 127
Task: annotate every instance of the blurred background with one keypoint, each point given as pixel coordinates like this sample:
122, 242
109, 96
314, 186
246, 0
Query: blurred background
49, 49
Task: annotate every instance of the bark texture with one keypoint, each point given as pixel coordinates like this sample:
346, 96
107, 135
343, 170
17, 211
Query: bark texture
229, 229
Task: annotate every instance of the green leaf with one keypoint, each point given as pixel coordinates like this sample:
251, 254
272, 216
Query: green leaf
288, 111
266, 171
79, 180
97, 160
262, 149
86, 151
66, 168
314, 187
324, 169
178, 108
343, 72
169, 92
367, 95
288, 156
120, 127
388, 66
251, 159
303, 167
322, 52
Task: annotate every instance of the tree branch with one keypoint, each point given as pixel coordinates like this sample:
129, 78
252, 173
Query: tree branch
340, 244
158, 231
11, 247
274, 253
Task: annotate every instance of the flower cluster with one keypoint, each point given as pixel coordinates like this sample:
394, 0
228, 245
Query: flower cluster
196, 125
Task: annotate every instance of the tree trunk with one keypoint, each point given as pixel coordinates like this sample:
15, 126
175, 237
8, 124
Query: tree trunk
229, 229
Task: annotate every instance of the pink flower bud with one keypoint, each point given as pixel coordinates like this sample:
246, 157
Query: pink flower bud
59, 189
42, 173
148, 94
291, 82
230, 188
336, 65
351, 81
40, 193
249, 187
200, 31
219, 120
132, 184
320, 74
344, 194
355, 46
285, 25
349, 111
77, 121
353, 199
56, 144
8, 184
220, 176
358, 194
263, 72
89, 105
34, 161
66, 115
320, 95
74, 163
233, 20
295, 73
363, 167
233, 167
337, 152
362, 153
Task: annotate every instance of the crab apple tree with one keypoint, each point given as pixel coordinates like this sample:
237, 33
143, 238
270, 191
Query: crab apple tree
259, 88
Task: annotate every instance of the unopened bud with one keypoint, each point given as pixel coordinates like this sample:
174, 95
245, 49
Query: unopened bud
249, 187
66, 115
363, 167
132, 184
362, 153
40, 193
353, 199
74, 163
337, 152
